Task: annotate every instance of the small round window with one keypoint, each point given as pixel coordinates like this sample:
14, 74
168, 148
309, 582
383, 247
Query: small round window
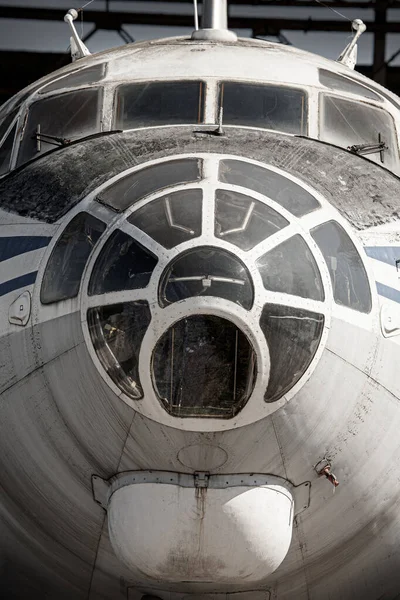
182, 269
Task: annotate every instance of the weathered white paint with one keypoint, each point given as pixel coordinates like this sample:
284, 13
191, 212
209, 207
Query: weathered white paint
202, 457
61, 421
223, 536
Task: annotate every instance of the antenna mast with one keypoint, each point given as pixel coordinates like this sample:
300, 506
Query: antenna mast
196, 15
78, 48
349, 54
214, 23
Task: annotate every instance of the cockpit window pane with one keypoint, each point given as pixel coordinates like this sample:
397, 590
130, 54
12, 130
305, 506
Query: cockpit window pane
64, 270
290, 268
348, 276
117, 332
207, 272
172, 219
76, 79
293, 336
204, 366
68, 116
282, 190
127, 191
159, 103
23, 95
123, 264
267, 106
243, 221
6, 123
6, 151
346, 123
337, 82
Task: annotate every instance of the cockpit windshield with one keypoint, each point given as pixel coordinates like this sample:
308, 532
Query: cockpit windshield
58, 120
362, 128
338, 83
267, 106
159, 103
79, 78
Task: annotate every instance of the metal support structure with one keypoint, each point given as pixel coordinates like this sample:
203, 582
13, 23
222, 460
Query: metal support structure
125, 35
367, 4
89, 34
261, 25
16, 76
379, 67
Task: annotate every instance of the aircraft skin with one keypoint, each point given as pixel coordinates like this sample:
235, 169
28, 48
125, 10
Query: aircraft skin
117, 482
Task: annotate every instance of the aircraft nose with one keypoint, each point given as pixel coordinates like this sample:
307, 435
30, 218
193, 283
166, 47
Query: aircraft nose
214, 328
215, 293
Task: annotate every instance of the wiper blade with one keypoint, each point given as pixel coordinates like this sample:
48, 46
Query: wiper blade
365, 149
61, 142
50, 139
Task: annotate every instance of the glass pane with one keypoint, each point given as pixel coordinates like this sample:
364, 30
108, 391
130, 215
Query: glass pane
207, 272
68, 116
293, 336
285, 192
135, 186
159, 103
117, 332
290, 268
64, 270
271, 107
23, 95
389, 98
343, 84
172, 219
243, 221
5, 124
346, 123
204, 366
76, 79
123, 264
14, 103
348, 276
6, 151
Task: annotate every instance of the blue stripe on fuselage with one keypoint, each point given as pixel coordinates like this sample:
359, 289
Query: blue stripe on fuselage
388, 292
389, 255
386, 254
20, 244
18, 282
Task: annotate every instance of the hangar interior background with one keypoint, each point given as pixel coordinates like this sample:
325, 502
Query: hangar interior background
34, 38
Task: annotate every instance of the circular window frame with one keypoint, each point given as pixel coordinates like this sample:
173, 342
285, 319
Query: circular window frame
248, 321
